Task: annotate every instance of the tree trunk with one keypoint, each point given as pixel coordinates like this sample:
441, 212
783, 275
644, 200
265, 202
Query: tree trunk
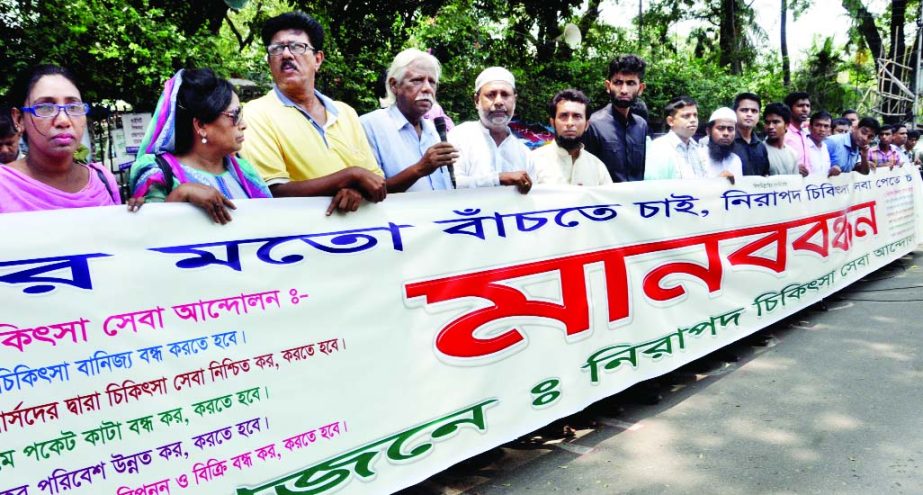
898, 52
867, 28
728, 37
786, 66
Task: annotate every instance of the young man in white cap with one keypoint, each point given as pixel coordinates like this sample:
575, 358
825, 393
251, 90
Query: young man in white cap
718, 155
489, 154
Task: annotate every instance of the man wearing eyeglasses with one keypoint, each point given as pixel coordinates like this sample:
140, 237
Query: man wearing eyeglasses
302, 142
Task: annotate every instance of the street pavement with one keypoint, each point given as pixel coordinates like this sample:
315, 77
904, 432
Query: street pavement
832, 404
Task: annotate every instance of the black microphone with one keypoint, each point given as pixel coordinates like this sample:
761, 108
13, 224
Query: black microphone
439, 122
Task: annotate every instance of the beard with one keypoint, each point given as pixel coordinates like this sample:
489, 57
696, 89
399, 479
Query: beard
569, 144
622, 103
719, 152
495, 120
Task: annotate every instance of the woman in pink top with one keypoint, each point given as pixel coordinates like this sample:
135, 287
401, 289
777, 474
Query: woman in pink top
48, 107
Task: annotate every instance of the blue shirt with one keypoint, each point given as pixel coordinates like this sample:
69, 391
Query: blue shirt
843, 153
396, 146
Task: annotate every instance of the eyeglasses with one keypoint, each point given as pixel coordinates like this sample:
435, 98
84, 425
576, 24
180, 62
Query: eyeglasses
48, 110
295, 48
236, 115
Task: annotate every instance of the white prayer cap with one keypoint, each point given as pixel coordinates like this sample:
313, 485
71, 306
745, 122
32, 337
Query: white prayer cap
723, 113
494, 74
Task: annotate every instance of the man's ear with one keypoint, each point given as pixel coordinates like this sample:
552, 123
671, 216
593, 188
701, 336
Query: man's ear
17, 115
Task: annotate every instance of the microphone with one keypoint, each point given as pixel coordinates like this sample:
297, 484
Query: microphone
439, 122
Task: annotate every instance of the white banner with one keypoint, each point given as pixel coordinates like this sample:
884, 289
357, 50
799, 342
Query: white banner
293, 353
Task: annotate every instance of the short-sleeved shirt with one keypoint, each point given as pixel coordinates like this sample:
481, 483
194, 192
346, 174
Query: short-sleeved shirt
619, 142
880, 158
554, 165
285, 143
396, 146
670, 158
782, 161
481, 161
843, 153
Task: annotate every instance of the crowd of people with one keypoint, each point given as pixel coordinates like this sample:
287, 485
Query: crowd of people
205, 148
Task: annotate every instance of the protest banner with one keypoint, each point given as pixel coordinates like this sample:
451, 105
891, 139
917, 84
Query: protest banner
293, 353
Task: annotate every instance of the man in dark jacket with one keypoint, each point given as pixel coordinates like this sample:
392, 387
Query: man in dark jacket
747, 145
616, 134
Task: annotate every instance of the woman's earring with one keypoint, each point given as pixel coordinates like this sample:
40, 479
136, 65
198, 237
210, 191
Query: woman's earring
204, 140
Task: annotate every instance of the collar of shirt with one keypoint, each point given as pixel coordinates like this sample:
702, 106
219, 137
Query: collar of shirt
796, 130
627, 120
678, 143
754, 139
400, 122
329, 107
490, 138
563, 153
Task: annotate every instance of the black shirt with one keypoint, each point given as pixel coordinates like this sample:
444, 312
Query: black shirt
620, 143
754, 159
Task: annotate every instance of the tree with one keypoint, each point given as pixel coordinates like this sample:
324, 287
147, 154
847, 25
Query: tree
892, 47
796, 7
120, 50
728, 29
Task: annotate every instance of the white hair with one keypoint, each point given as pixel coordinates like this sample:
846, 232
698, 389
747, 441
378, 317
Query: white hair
399, 67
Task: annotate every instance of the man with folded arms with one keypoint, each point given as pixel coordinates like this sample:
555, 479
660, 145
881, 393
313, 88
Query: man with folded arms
302, 142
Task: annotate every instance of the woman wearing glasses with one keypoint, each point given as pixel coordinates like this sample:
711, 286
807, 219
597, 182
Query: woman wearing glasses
48, 108
189, 151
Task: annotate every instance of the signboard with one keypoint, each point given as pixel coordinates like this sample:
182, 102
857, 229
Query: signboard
293, 353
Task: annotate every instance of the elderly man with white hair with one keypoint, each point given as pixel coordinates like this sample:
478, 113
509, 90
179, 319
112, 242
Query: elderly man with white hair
717, 152
489, 154
405, 145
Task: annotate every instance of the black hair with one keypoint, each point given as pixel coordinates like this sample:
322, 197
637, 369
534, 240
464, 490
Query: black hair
747, 96
885, 128
794, 97
568, 94
26, 80
203, 96
913, 134
869, 123
7, 127
628, 64
840, 121
778, 109
898, 126
298, 21
822, 115
676, 104
849, 111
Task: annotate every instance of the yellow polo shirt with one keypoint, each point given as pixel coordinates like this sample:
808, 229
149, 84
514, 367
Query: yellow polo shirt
285, 144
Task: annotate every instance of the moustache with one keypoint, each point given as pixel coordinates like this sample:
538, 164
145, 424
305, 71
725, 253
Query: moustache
428, 98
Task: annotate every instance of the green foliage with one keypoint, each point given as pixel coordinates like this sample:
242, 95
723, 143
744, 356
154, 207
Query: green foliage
127, 48
820, 78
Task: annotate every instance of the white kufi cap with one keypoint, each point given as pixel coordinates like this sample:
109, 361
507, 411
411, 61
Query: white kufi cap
494, 74
723, 113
